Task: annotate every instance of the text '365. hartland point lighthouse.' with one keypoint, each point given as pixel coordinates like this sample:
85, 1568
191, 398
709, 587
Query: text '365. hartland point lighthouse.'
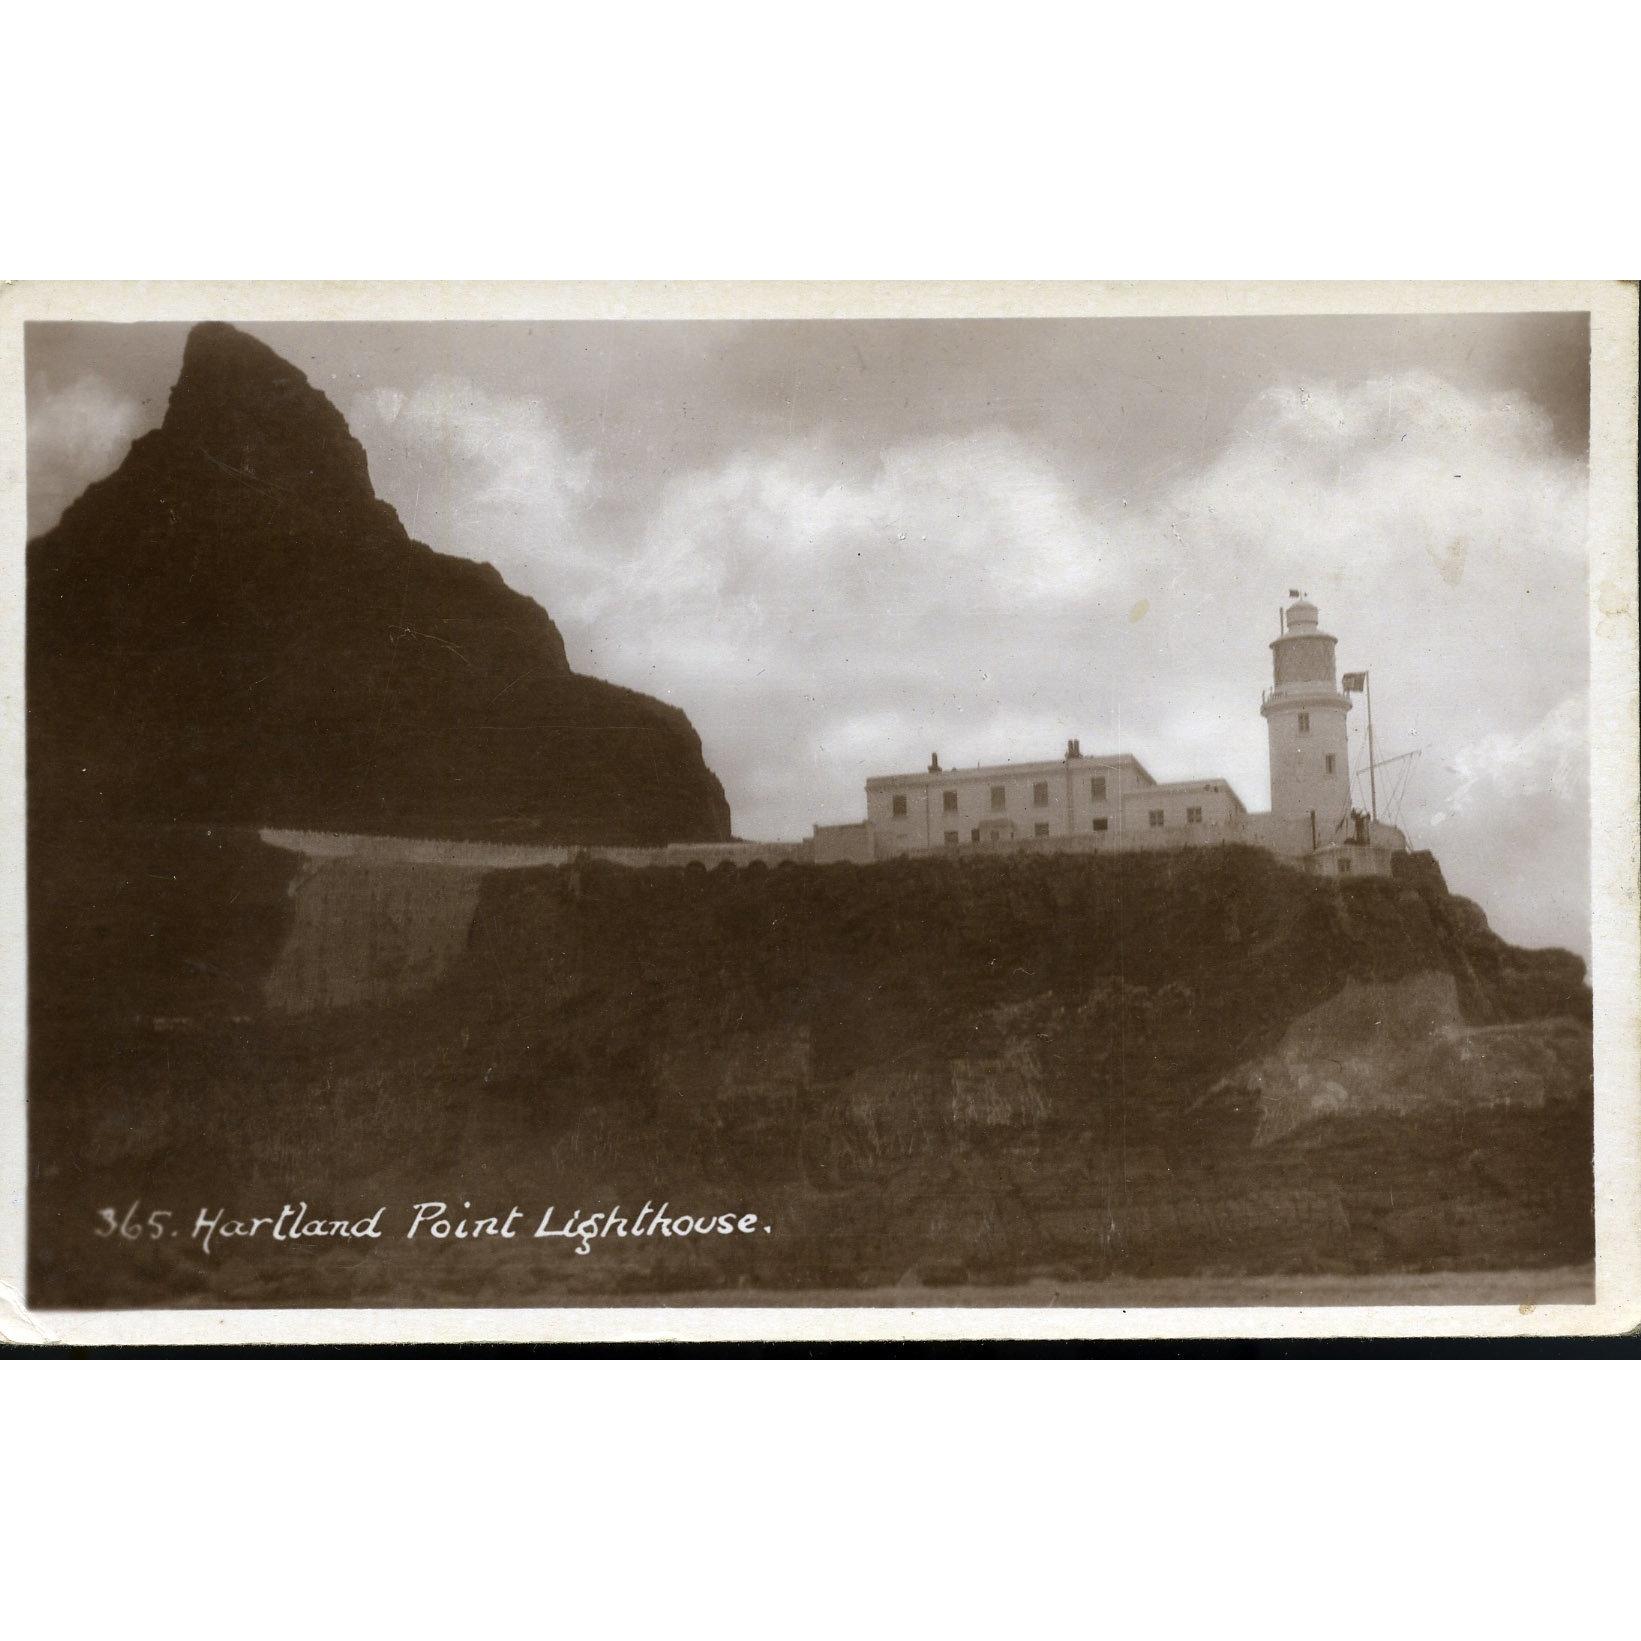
1112, 803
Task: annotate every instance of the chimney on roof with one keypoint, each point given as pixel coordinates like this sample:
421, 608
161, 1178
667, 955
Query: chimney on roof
1074, 749
934, 763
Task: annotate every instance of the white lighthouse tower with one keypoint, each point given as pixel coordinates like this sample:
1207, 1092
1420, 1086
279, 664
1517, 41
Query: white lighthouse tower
1305, 713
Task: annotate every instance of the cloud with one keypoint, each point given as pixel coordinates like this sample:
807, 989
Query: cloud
798, 549
1447, 506
484, 474
1550, 759
1512, 831
77, 434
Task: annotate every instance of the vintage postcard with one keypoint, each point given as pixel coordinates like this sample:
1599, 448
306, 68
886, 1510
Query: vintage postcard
759, 812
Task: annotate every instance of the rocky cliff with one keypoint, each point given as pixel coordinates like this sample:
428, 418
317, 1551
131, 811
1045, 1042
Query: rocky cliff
1021, 1076
234, 628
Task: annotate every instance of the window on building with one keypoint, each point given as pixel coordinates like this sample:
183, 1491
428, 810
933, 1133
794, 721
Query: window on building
899, 805
1304, 723
1193, 817
951, 839
1101, 824
1096, 788
999, 797
1156, 817
1330, 763
974, 835
1344, 866
1039, 795
948, 802
1041, 829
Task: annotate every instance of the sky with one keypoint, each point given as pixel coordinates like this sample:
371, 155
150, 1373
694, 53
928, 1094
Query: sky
840, 546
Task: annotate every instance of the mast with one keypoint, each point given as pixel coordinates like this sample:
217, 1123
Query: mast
1373, 784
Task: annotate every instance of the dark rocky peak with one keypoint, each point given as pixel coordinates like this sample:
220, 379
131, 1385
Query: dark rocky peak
241, 408
232, 628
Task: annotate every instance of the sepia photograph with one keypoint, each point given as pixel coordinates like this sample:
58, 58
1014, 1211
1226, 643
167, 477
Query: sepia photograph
819, 822
1080, 812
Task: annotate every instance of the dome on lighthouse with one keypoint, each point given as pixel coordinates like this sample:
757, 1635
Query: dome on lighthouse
1301, 616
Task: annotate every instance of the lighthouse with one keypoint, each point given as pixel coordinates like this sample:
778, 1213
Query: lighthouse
1107, 801
1304, 711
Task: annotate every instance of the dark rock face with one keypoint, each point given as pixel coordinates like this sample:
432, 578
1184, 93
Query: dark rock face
233, 628
924, 1073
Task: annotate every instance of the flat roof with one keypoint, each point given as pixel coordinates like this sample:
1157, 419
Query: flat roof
1211, 783
984, 771
1195, 786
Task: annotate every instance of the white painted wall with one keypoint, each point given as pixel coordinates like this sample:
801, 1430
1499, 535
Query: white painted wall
1305, 714
947, 808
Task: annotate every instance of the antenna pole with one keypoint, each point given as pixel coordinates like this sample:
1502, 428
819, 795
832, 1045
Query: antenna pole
1373, 784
